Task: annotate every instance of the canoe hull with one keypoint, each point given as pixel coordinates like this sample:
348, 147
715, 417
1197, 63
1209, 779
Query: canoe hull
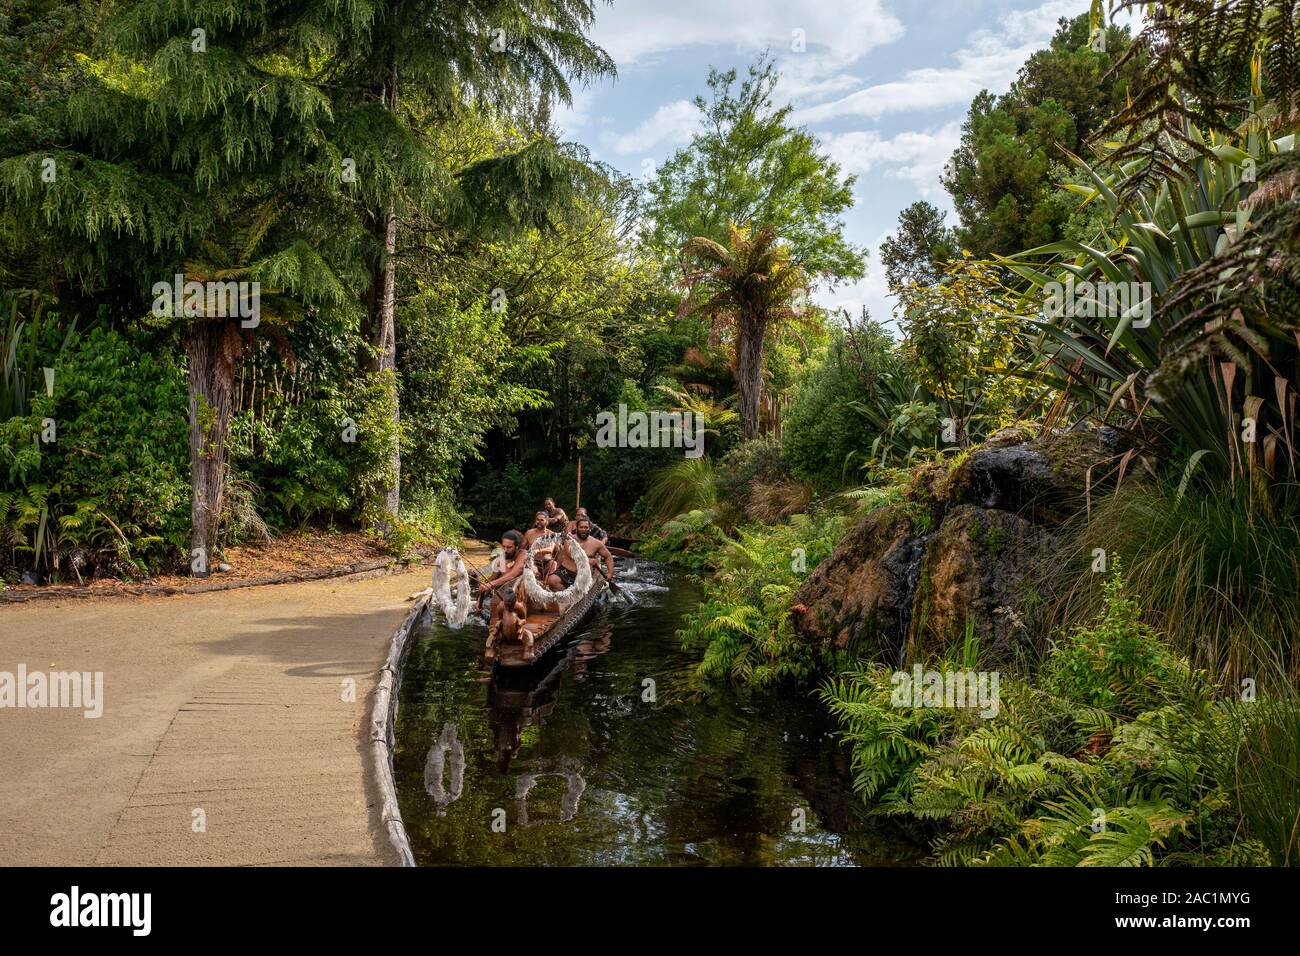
556, 627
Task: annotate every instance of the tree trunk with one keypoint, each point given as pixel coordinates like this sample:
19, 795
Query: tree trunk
212, 347
749, 372
384, 323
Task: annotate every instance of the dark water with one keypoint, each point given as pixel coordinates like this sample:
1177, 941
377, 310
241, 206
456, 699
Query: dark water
582, 769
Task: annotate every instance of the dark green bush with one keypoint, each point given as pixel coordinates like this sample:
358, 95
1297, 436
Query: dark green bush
114, 485
756, 460
297, 455
822, 428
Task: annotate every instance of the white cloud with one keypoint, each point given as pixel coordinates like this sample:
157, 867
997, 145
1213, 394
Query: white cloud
814, 43
672, 123
569, 118
847, 29
989, 60
917, 156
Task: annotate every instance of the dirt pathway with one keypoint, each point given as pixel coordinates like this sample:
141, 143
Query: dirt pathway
229, 735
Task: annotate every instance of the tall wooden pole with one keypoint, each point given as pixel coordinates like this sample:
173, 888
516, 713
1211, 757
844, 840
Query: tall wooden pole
577, 497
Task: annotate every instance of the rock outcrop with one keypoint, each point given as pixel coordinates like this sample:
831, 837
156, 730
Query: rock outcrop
864, 589
961, 550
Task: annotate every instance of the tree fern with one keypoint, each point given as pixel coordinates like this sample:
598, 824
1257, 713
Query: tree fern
1207, 64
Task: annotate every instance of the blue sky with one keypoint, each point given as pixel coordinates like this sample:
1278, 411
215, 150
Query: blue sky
883, 84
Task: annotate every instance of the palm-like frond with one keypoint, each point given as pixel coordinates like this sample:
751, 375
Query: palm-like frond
1207, 64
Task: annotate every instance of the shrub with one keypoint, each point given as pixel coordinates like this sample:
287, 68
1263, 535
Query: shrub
685, 485
111, 493
770, 502
1121, 757
299, 457
690, 540
1116, 663
1256, 751
745, 621
756, 460
1218, 582
822, 429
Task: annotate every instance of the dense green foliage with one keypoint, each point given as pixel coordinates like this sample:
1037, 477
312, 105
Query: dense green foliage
1121, 756
111, 490
1003, 177
296, 454
744, 622
1200, 63
1129, 732
823, 430
450, 296
1219, 584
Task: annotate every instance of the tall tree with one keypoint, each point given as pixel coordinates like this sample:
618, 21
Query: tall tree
920, 248
750, 284
749, 166
420, 63
1003, 176
177, 139
167, 144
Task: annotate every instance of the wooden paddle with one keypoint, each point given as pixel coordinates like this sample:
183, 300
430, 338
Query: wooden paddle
617, 591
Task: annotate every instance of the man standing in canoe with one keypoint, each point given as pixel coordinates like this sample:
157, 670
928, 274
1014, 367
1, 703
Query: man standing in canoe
556, 519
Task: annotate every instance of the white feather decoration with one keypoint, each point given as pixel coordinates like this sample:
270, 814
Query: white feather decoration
455, 613
538, 594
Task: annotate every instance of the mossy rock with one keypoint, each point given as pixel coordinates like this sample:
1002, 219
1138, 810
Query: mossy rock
860, 596
980, 567
1045, 479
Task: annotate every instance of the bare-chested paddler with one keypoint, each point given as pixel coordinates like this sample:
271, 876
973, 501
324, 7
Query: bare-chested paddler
563, 572
544, 553
538, 529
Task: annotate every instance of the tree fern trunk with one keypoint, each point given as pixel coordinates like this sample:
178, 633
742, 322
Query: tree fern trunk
212, 347
749, 372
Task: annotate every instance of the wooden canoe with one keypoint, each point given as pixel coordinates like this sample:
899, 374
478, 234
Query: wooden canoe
549, 628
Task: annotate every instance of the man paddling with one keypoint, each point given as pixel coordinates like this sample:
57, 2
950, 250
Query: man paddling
597, 531
563, 572
593, 547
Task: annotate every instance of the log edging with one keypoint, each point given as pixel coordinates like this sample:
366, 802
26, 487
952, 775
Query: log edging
10, 596
383, 716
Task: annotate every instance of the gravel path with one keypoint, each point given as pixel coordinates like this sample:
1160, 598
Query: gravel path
230, 734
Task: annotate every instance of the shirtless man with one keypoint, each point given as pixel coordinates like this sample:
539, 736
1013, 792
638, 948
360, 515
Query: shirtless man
544, 553
510, 566
597, 531
562, 571
556, 519
538, 529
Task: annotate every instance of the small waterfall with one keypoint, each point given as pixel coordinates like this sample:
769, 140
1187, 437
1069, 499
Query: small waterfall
911, 580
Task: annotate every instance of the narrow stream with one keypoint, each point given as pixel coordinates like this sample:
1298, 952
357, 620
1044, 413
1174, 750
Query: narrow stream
573, 763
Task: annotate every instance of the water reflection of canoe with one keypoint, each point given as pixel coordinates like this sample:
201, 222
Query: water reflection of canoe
526, 695
549, 628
